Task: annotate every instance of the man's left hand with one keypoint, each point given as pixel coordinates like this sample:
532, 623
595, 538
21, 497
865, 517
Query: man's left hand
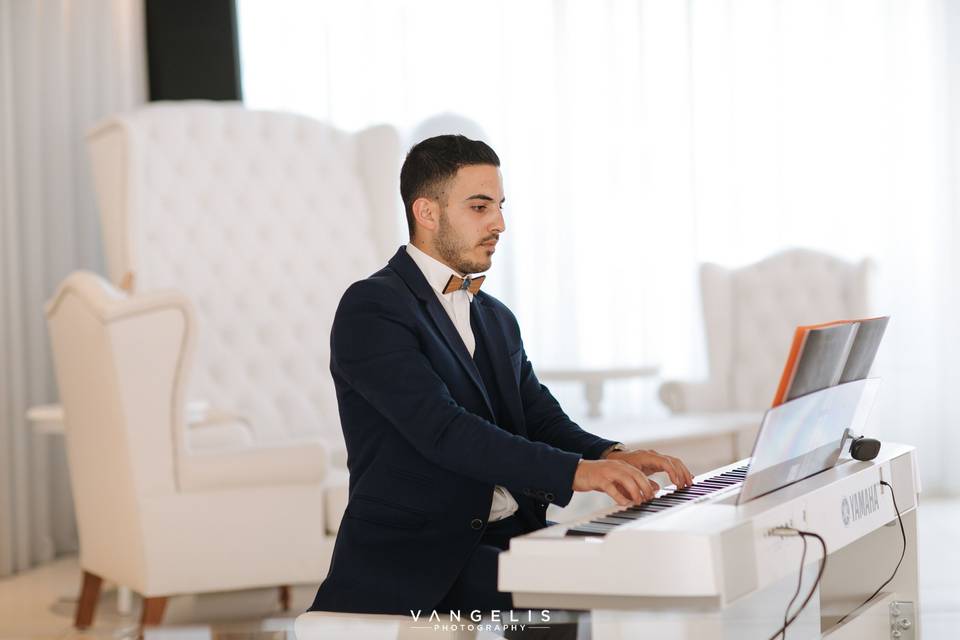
649, 461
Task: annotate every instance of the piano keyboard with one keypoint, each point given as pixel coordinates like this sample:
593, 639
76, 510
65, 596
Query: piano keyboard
604, 525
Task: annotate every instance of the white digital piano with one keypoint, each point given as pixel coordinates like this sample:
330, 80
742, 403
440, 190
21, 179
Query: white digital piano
703, 562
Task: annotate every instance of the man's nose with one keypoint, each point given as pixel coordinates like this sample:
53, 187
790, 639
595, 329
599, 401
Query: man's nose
499, 225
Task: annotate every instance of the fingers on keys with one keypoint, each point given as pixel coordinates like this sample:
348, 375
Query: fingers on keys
630, 484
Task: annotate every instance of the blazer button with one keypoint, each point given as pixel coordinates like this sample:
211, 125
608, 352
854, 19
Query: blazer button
476, 524
549, 497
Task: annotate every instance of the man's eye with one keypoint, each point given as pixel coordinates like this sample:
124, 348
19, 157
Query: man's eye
479, 207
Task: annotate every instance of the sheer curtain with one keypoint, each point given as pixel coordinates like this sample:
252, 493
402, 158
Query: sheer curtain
641, 138
63, 66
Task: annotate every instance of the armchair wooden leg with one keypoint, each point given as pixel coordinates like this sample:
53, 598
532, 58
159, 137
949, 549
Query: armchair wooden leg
87, 604
152, 612
285, 597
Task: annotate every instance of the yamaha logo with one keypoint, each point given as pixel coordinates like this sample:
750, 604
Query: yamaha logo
860, 504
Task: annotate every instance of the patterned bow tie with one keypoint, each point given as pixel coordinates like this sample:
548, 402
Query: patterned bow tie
464, 284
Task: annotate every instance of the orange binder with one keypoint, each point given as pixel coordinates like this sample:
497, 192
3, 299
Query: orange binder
797, 348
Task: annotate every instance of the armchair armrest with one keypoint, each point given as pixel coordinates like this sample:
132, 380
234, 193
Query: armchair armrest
689, 397
302, 462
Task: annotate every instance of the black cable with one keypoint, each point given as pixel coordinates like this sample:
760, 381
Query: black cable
903, 552
796, 594
816, 583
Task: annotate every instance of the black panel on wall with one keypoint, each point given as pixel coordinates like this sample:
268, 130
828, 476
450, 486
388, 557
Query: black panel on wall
192, 50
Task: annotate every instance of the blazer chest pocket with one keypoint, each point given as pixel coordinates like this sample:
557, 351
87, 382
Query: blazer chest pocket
377, 511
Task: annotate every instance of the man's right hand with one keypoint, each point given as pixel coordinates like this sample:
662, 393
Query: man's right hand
621, 481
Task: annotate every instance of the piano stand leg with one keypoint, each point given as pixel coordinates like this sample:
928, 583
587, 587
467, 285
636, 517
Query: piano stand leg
858, 569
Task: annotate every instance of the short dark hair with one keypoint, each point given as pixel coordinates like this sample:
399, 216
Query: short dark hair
431, 162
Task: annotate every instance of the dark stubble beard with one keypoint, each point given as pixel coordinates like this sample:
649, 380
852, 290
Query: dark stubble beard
451, 247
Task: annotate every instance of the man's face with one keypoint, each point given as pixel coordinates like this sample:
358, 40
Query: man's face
471, 218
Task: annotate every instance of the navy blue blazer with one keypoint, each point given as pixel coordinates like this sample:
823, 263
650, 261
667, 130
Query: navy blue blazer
422, 450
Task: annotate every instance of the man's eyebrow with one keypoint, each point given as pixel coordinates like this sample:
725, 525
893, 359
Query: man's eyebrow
481, 196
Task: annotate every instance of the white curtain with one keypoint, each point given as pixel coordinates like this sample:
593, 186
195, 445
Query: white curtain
641, 138
63, 65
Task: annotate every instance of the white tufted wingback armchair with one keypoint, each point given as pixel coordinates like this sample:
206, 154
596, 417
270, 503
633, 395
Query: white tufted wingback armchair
199, 411
262, 220
750, 315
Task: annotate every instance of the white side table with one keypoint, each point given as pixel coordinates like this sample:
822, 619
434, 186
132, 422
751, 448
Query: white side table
47, 419
593, 379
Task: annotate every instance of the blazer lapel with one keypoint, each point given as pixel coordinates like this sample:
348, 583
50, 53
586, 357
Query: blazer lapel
404, 265
485, 323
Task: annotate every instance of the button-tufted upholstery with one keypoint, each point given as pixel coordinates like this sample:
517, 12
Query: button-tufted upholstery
750, 315
261, 219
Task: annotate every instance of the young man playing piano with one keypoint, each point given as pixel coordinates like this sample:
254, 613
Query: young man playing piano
453, 444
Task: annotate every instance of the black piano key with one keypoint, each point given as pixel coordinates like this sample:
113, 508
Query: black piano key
616, 522
694, 491
667, 495
585, 531
626, 515
624, 518
666, 504
681, 497
596, 527
647, 508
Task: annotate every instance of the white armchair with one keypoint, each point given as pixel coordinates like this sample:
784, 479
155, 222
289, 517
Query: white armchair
200, 416
152, 515
750, 314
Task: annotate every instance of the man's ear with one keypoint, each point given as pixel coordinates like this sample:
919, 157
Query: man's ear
426, 212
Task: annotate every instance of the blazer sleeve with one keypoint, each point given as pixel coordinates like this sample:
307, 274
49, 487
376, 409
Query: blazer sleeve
547, 422
375, 350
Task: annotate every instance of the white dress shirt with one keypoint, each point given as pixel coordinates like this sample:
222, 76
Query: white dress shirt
457, 306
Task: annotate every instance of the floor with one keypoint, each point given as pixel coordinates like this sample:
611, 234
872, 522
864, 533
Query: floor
39, 604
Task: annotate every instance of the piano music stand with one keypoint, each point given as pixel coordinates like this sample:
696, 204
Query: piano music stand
805, 436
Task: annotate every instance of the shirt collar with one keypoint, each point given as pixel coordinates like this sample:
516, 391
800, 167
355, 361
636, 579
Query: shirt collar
436, 273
